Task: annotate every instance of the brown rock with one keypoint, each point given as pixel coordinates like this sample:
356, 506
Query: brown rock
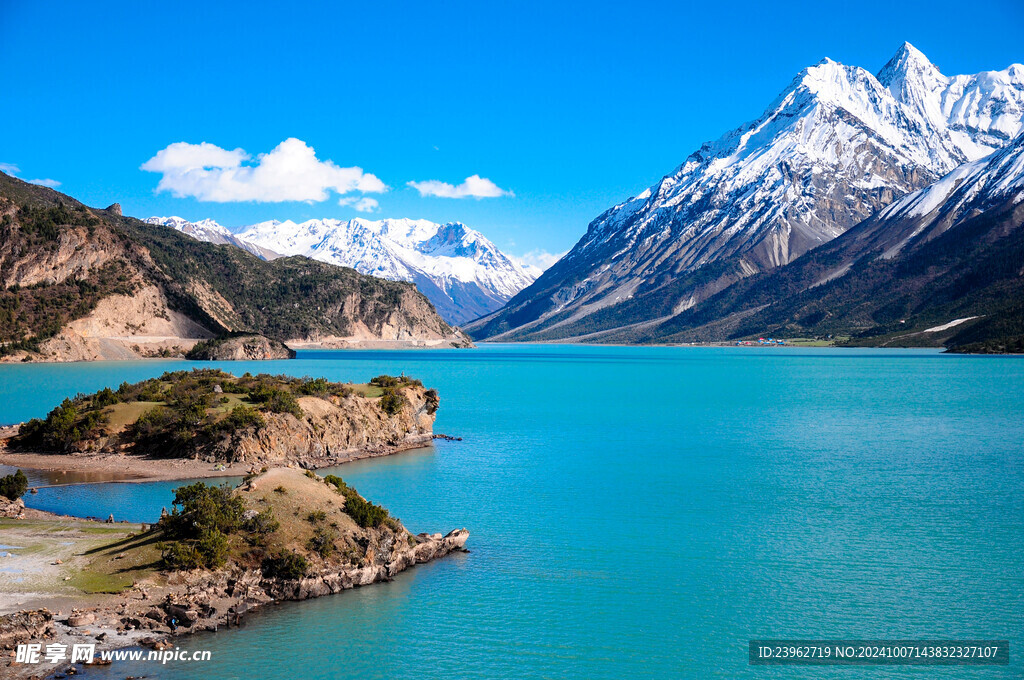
83, 619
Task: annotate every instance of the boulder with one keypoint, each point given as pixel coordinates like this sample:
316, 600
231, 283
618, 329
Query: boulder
81, 619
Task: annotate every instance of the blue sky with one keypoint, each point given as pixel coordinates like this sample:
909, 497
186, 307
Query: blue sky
565, 108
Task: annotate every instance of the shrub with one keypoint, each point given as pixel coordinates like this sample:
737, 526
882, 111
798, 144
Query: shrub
209, 551
212, 547
385, 381
262, 523
244, 416
203, 507
275, 400
105, 397
202, 518
60, 422
181, 555
289, 566
317, 516
391, 402
365, 513
315, 387
339, 484
14, 486
322, 541
153, 421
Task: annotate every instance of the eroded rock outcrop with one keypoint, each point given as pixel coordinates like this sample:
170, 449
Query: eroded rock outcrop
252, 347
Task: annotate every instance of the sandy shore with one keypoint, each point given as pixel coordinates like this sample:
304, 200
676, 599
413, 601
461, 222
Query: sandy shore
118, 467
113, 467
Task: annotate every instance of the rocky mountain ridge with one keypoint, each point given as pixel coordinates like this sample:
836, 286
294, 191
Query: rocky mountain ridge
82, 284
943, 266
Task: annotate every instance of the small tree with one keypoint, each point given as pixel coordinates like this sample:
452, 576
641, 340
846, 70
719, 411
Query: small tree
392, 402
14, 486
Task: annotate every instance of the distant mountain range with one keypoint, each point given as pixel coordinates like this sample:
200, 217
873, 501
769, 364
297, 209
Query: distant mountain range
460, 271
211, 232
837, 146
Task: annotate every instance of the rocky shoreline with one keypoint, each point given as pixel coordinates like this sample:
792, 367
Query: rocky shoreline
197, 601
132, 468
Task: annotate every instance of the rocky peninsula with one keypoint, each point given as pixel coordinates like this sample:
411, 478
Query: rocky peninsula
283, 534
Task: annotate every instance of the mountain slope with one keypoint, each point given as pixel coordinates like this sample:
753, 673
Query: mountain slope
81, 283
944, 265
835, 147
461, 272
212, 232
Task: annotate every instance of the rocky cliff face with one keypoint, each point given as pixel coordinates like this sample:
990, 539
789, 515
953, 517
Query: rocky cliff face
835, 147
331, 431
82, 284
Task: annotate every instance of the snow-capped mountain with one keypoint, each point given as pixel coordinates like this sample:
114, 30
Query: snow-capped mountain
212, 232
459, 270
837, 145
942, 265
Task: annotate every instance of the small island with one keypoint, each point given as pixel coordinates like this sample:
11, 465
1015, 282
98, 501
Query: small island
283, 534
207, 416
240, 347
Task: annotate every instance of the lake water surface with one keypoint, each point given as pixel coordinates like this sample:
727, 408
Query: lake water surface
644, 512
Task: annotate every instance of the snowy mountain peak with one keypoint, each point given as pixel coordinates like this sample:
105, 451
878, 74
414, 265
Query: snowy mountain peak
457, 268
908, 62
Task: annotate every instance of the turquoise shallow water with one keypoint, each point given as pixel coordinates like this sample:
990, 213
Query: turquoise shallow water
643, 512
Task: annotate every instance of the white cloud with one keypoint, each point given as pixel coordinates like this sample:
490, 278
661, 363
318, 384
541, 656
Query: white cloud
365, 204
541, 259
290, 172
13, 170
475, 186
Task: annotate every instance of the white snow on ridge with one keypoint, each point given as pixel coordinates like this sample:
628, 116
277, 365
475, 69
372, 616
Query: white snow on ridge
211, 232
457, 268
398, 249
838, 123
997, 177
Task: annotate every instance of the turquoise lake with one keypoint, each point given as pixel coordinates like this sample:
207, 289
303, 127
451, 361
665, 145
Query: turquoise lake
644, 512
